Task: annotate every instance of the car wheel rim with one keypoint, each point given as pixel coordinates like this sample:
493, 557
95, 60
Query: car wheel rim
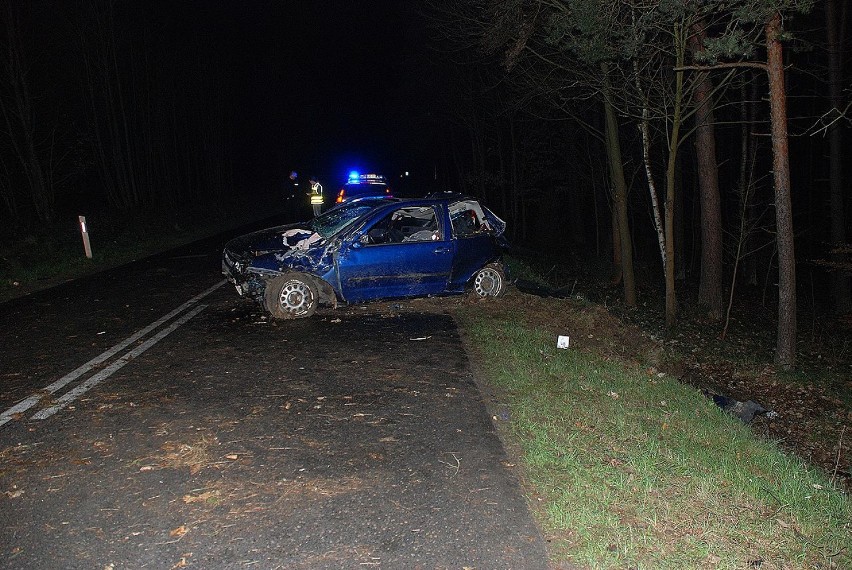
487, 283
296, 298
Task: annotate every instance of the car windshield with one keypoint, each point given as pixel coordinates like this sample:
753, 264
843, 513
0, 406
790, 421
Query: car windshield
338, 218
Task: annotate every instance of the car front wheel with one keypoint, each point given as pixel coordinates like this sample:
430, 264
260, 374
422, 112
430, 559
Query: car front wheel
490, 281
291, 296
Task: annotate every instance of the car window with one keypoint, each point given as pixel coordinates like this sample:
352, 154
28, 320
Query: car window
467, 218
336, 219
406, 225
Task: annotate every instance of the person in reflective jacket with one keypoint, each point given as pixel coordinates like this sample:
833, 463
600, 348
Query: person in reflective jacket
316, 195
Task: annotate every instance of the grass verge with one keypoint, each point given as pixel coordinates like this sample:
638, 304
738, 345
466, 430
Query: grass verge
625, 467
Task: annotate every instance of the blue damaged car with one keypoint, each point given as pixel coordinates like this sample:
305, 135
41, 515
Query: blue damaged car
371, 248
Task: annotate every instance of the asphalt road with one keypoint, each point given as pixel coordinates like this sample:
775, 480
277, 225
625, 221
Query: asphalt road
149, 418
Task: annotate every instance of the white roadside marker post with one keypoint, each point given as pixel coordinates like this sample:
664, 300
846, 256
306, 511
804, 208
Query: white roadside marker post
85, 232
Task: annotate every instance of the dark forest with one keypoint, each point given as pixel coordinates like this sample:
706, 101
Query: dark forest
685, 146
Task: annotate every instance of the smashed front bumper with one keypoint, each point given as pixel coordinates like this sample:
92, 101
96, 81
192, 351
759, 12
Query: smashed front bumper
233, 269
247, 280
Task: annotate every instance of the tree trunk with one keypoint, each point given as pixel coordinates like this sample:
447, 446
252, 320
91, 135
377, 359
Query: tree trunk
615, 277
20, 124
710, 286
679, 225
674, 143
645, 130
748, 158
619, 185
509, 194
785, 353
8, 192
842, 283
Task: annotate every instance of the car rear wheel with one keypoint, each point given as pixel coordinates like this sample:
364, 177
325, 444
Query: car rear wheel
490, 281
291, 296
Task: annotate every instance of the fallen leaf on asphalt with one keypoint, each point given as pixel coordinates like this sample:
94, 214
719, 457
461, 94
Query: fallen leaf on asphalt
179, 531
205, 497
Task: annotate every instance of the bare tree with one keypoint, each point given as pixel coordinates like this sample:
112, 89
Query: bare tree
663, 100
835, 17
563, 59
20, 133
621, 225
110, 121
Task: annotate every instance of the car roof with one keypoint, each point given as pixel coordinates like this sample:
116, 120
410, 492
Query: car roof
449, 195
382, 201
420, 201
379, 199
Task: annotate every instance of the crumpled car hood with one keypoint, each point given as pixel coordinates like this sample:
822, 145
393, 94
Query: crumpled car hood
278, 239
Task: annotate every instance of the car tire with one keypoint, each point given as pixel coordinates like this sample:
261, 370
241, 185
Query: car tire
490, 281
291, 296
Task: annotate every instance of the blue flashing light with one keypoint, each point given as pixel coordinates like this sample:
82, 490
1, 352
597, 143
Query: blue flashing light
356, 177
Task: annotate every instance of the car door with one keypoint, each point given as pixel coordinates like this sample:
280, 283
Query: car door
405, 253
474, 242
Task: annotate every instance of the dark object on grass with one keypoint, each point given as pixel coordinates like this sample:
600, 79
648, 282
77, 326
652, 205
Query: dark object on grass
744, 411
539, 290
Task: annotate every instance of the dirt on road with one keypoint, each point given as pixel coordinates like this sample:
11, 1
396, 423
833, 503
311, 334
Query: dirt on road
355, 439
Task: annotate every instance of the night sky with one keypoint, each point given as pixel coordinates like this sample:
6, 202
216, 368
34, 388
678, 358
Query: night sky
155, 103
319, 87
